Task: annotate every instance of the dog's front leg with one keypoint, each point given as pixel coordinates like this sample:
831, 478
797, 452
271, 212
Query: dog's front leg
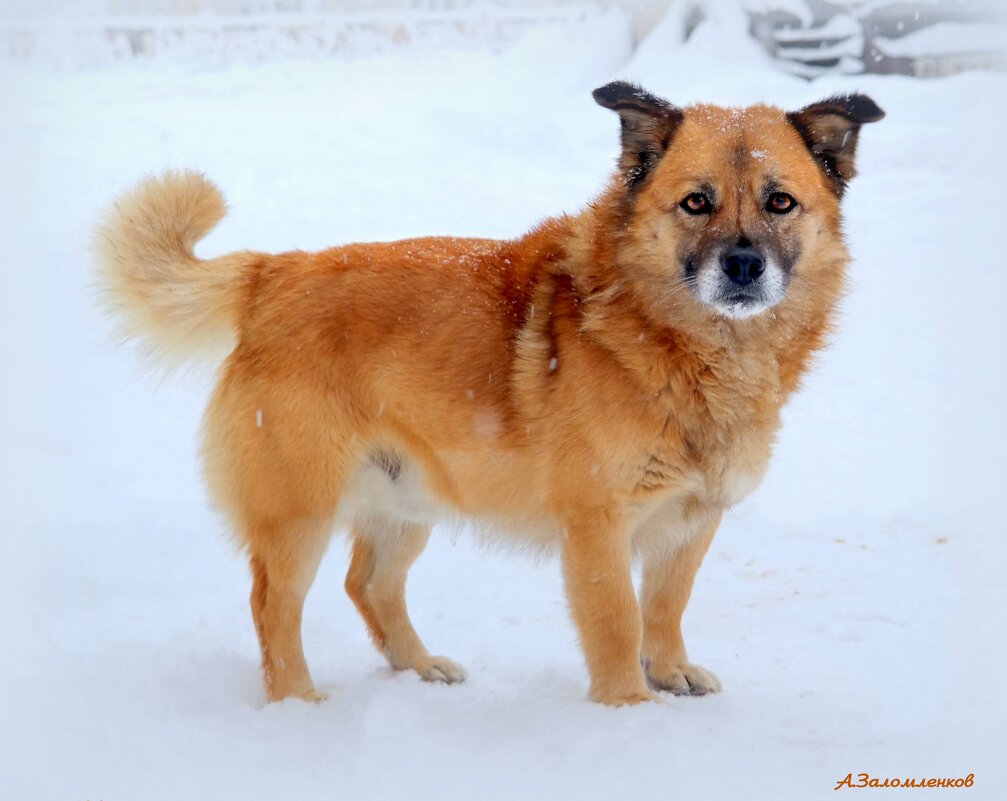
599, 586
667, 584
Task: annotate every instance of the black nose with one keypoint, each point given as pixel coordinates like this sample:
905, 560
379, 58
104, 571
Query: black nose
744, 265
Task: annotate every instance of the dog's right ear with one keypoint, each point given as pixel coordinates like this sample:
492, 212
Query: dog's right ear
648, 123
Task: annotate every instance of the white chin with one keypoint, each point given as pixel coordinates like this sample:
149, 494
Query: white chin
740, 311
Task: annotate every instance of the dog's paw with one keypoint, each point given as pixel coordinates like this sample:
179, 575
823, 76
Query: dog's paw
440, 668
621, 697
313, 696
684, 679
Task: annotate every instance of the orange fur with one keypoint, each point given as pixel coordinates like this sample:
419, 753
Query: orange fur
565, 386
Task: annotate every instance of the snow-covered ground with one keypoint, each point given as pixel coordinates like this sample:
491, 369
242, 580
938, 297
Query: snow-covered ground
853, 607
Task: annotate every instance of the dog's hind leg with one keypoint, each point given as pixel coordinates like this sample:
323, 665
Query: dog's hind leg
383, 551
284, 558
275, 462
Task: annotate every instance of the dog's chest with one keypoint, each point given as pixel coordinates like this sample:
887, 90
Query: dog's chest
718, 479
716, 456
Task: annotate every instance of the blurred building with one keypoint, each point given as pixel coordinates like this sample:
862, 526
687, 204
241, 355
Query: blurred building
806, 37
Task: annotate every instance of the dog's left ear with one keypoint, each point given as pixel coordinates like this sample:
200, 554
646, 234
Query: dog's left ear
830, 130
648, 123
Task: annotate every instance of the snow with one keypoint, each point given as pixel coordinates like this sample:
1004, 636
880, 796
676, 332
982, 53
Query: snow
853, 606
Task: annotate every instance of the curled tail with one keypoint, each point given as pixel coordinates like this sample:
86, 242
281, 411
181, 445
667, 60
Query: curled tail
176, 303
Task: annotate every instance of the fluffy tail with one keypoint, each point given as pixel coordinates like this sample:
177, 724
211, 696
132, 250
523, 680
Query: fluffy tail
177, 304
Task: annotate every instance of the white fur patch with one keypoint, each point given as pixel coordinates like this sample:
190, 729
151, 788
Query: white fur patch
372, 491
714, 289
737, 484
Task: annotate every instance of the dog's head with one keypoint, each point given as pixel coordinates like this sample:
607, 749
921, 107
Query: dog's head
727, 207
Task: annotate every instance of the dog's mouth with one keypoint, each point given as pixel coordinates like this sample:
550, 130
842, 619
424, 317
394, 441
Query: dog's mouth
743, 298
740, 305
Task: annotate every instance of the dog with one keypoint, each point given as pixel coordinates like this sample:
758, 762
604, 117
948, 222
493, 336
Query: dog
608, 383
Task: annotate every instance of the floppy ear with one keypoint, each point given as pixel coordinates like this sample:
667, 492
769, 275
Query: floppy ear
648, 123
830, 130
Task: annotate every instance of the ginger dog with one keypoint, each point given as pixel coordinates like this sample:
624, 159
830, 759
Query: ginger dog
610, 382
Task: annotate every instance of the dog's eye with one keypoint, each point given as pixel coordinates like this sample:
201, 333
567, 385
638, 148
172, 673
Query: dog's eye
697, 203
780, 203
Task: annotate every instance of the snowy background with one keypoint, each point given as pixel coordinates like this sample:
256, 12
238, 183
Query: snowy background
853, 607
